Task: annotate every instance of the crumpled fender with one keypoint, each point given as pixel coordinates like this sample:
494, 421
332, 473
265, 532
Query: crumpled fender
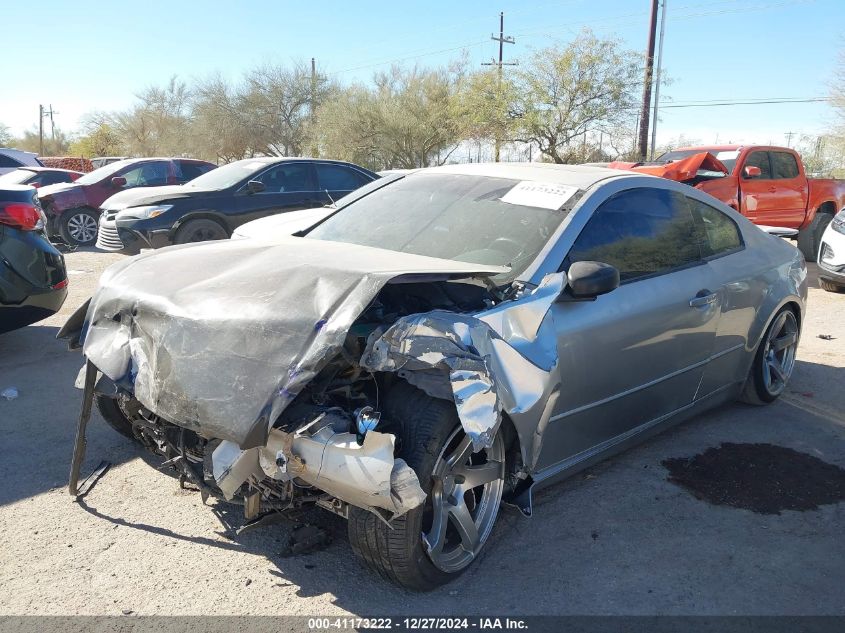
500, 360
680, 170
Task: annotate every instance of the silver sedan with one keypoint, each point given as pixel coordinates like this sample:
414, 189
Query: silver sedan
444, 341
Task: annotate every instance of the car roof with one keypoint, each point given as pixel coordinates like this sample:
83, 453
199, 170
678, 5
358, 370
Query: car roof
704, 148
35, 168
581, 176
280, 159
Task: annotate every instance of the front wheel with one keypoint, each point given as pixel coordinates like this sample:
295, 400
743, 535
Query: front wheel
774, 360
79, 226
829, 286
810, 238
434, 543
200, 230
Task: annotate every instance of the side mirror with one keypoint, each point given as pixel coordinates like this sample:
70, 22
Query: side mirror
588, 280
254, 186
751, 171
118, 182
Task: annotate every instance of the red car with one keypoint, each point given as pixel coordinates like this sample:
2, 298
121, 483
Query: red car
73, 208
39, 176
767, 184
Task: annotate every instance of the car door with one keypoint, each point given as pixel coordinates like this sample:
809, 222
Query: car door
636, 354
288, 186
791, 190
741, 289
777, 196
335, 181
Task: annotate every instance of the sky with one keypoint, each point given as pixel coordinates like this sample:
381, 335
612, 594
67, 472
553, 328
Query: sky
81, 56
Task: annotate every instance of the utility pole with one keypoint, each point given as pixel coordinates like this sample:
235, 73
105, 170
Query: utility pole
42, 113
657, 79
649, 65
789, 136
315, 150
502, 41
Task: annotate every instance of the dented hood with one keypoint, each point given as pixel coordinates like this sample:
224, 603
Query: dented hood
220, 337
680, 170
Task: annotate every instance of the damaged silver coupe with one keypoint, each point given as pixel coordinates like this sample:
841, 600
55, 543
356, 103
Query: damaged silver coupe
443, 343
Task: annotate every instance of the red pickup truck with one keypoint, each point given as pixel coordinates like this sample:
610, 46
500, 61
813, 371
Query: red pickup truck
766, 184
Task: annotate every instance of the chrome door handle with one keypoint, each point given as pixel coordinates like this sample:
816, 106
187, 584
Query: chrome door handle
702, 300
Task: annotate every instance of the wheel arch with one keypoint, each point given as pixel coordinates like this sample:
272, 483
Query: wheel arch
204, 214
794, 304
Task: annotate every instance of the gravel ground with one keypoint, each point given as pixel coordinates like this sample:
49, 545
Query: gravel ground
619, 539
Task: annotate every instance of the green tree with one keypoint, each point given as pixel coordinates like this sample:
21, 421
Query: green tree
559, 95
5, 135
410, 118
102, 140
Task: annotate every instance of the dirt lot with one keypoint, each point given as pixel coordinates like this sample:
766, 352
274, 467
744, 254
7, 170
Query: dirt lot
620, 539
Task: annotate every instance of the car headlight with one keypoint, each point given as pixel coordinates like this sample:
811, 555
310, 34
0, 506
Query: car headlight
144, 213
838, 223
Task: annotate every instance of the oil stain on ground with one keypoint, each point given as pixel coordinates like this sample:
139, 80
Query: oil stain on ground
763, 478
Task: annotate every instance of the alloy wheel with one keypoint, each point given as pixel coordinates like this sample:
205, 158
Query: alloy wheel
779, 353
82, 227
464, 501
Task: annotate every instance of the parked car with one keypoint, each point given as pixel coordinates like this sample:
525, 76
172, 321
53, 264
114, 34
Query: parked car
214, 205
73, 209
75, 163
12, 159
832, 255
447, 341
33, 280
38, 176
102, 161
767, 184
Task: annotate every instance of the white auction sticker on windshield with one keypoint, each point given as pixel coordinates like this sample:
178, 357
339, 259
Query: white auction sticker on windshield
543, 195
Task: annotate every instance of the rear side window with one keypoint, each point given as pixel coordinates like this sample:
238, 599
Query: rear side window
642, 232
8, 161
338, 178
721, 234
761, 160
189, 171
784, 165
147, 175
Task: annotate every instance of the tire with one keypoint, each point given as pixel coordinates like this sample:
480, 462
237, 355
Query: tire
810, 238
200, 230
79, 226
830, 286
763, 384
428, 429
114, 416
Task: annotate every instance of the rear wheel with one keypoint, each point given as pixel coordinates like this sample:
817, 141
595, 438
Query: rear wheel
830, 286
810, 238
434, 543
79, 226
114, 416
200, 230
774, 360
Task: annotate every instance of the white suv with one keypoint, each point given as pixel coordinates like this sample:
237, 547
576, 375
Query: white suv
11, 159
831, 257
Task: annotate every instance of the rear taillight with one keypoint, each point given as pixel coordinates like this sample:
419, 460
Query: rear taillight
20, 216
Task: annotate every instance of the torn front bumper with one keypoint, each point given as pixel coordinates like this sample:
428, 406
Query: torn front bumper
325, 456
